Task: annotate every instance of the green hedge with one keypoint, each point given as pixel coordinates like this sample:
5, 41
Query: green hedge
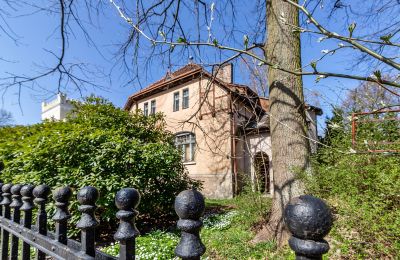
102, 146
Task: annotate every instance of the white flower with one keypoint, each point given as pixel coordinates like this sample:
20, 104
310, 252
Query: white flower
352, 150
325, 51
334, 126
341, 45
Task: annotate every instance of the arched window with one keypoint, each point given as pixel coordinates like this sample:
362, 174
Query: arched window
186, 142
261, 166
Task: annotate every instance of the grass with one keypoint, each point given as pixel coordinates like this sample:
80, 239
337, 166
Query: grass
230, 236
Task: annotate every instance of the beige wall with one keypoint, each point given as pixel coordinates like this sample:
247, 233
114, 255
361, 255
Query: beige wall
209, 119
212, 163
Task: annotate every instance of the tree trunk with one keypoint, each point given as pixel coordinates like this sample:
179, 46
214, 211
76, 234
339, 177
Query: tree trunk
290, 148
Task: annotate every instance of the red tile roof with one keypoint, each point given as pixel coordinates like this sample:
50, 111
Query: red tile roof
187, 72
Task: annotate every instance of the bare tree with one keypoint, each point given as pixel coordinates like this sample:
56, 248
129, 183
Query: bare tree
370, 97
161, 25
5, 117
172, 29
73, 17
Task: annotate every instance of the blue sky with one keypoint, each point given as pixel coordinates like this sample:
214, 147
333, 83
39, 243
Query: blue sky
37, 34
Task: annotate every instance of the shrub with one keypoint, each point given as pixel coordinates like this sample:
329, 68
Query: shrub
363, 190
102, 146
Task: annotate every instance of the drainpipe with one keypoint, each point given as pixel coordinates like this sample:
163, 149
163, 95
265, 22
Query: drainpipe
233, 147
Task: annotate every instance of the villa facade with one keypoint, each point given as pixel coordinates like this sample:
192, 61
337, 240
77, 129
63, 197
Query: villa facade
222, 128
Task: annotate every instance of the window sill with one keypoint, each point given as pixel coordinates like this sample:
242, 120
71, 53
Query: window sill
189, 163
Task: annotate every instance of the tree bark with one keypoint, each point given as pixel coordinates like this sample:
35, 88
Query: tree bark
290, 148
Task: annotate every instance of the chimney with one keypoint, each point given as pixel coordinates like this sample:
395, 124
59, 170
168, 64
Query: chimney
224, 72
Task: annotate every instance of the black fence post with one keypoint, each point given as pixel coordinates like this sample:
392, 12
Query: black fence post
27, 206
41, 193
87, 197
62, 196
15, 205
127, 200
6, 201
190, 205
1, 206
309, 220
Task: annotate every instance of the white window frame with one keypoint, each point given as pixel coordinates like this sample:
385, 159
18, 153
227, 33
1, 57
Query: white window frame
146, 108
176, 102
153, 107
185, 99
191, 143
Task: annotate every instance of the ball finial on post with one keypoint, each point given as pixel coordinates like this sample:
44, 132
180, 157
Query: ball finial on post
27, 197
87, 197
1, 198
41, 193
16, 197
15, 205
127, 200
62, 196
27, 206
309, 220
189, 206
5, 202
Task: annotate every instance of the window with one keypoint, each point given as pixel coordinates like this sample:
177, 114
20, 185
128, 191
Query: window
186, 142
185, 98
176, 101
153, 107
146, 109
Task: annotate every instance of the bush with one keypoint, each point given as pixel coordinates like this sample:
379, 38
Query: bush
102, 146
363, 190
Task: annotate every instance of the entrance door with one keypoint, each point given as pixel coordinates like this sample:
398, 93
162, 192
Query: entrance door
261, 166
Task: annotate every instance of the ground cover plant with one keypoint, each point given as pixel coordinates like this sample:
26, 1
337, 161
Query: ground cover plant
363, 191
229, 227
102, 146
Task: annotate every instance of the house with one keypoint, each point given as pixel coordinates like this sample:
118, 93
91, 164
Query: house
221, 127
57, 109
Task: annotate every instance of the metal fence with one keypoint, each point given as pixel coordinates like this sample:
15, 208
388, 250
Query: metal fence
308, 219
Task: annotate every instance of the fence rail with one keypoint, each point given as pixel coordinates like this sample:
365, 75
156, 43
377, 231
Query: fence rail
308, 219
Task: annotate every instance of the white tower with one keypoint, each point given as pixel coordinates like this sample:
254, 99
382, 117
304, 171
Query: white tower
57, 109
